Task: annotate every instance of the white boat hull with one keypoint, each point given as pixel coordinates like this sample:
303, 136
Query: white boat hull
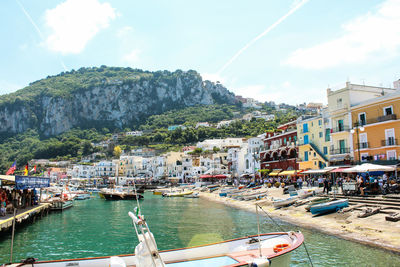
241, 251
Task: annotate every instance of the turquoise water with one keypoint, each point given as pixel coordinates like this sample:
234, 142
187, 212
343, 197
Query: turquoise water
97, 227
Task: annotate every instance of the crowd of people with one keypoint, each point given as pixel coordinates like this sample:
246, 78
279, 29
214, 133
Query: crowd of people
381, 184
20, 199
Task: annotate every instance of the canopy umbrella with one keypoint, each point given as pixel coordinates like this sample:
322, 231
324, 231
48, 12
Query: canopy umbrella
368, 167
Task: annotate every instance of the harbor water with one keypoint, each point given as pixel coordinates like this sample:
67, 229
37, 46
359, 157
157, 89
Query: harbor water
96, 227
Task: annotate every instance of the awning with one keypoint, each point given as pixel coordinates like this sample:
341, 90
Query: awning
338, 170
315, 171
7, 179
274, 173
217, 176
290, 173
220, 176
205, 176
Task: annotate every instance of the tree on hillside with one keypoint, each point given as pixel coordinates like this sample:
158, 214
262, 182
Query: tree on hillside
117, 151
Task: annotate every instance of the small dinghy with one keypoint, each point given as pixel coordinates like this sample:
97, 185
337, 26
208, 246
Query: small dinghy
278, 203
194, 195
177, 194
330, 206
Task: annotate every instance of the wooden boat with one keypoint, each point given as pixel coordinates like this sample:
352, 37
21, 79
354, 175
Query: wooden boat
395, 217
272, 249
329, 206
177, 194
305, 193
278, 203
368, 212
316, 201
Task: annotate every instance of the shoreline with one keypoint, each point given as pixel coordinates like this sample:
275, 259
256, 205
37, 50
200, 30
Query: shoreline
341, 225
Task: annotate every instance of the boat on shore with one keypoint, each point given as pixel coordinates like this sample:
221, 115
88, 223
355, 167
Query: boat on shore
278, 203
330, 206
316, 201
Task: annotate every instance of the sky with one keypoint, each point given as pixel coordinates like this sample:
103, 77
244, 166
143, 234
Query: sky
287, 51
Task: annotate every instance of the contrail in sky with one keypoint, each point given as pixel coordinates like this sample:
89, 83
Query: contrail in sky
270, 28
36, 28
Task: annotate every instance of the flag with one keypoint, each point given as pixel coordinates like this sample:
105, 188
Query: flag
26, 170
33, 169
12, 169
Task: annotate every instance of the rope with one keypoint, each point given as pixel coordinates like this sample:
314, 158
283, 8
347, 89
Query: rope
309, 258
282, 230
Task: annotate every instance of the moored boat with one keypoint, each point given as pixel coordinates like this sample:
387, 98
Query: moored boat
329, 206
119, 194
316, 201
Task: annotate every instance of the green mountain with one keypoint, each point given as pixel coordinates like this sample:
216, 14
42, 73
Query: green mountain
110, 97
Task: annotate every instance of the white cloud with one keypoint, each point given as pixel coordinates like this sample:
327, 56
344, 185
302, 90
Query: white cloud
75, 22
369, 37
132, 57
124, 31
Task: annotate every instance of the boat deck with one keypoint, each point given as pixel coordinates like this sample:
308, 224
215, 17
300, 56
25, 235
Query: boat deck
217, 261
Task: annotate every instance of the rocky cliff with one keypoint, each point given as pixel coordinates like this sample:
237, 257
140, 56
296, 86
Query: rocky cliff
104, 97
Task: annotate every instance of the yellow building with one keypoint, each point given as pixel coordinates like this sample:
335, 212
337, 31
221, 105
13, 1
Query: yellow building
376, 129
340, 103
313, 141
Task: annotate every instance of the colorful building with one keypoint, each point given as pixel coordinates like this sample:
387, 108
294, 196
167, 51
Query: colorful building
340, 103
376, 129
313, 142
280, 149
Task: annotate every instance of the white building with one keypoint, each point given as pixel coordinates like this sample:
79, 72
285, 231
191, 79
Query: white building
252, 157
82, 171
202, 124
224, 123
209, 144
236, 158
134, 133
105, 169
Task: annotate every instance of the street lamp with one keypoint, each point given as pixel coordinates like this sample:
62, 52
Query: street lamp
358, 127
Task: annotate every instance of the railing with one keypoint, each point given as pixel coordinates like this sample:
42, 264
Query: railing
342, 150
341, 129
375, 120
390, 142
363, 145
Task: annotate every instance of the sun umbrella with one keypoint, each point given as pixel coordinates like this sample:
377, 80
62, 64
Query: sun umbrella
368, 167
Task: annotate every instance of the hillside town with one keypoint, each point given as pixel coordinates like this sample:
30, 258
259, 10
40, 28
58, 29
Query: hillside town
358, 125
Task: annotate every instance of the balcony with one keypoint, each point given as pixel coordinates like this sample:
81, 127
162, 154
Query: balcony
363, 145
376, 120
341, 129
390, 142
337, 151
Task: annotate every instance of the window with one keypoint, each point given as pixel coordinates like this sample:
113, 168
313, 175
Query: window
339, 102
388, 110
363, 140
325, 150
305, 155
362, 119
340, 125
327, 135
305, 128
391, 154
315, 154
342, 146
390, 137
321, 134
306, 139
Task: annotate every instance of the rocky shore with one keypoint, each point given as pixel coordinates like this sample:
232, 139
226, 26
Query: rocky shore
373, 230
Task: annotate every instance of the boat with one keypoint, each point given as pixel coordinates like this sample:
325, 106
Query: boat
82, 196
268, 249
329, 206
177, 194
119, 193
317, 201
60, 205
278, 203
194, 195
